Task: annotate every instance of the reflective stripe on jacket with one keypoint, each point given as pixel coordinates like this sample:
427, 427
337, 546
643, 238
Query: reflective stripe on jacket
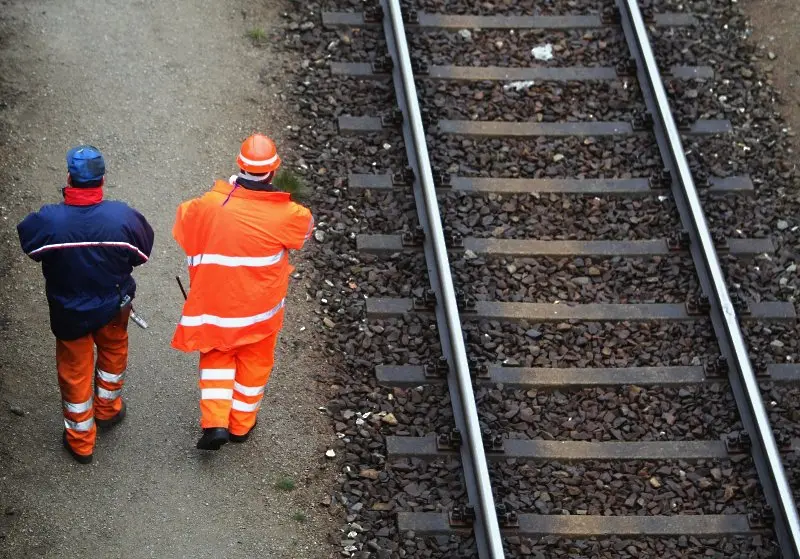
237, 245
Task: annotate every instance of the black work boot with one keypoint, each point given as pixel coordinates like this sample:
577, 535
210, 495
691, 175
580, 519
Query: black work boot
242, 438
80, 458
108, 423
213, 438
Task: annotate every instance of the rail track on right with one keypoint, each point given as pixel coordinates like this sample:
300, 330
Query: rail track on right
544, 385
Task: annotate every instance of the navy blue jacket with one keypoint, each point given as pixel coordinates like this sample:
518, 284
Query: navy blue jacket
88, 254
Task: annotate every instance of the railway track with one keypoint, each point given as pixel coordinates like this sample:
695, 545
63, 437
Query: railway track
509, 434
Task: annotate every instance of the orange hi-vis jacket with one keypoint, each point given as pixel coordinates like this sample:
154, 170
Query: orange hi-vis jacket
237, 242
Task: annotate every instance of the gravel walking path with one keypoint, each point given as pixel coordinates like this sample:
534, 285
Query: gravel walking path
167, 90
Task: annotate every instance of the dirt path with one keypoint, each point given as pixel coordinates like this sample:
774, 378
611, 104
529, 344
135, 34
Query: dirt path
166, 89
776, 32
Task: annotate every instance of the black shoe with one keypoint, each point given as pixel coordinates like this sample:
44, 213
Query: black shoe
213, 438
242, 438
107, 423
80, 458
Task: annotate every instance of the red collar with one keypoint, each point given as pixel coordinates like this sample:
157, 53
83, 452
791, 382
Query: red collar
82, 196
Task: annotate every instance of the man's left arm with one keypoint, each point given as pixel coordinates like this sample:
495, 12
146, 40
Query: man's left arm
298, 227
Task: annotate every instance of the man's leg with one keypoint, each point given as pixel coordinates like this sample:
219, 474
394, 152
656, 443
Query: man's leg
217, 372
112, 361
253, 367
75, 365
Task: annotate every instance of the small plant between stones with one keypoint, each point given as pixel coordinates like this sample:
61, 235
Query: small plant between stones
289, 181
300, 517
285, 484
257, 35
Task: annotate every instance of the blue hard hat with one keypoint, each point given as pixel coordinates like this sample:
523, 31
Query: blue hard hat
85, 165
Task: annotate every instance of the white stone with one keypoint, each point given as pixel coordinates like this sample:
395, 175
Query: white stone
518, 86
543, 52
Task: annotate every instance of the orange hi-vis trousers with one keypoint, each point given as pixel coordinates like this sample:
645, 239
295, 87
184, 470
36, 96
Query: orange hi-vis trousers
232, 384
76, 369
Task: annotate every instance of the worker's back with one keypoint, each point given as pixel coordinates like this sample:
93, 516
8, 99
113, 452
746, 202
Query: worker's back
87, 253
237, 242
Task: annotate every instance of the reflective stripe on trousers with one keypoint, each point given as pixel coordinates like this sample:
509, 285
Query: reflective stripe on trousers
248, 390
217, 374
80, 426
77, 408
108, 394
216, 394
238, 405
110, 377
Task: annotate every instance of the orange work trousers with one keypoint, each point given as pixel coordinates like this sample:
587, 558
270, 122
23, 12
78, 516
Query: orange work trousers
76, 369
232, 384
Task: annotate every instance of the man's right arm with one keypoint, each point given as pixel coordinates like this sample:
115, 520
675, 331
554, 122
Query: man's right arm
141, 236
182, 217
34, 235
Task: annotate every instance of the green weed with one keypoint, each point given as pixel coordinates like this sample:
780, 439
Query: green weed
285, 484
288, 181
257, 35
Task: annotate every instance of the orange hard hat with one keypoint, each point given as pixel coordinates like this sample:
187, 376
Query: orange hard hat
258, 155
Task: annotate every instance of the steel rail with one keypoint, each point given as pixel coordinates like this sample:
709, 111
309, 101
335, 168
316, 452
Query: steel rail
723, 315
474, 464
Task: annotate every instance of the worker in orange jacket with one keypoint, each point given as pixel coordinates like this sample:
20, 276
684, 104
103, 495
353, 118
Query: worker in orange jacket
237, 239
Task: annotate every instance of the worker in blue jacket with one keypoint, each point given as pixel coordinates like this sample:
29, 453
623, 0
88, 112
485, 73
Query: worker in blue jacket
88, 248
